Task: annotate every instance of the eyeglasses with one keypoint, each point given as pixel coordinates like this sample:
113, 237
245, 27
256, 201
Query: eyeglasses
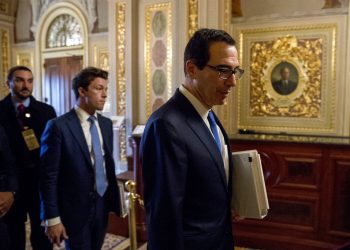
226, 73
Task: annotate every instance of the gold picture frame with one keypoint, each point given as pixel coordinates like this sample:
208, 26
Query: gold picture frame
304, 104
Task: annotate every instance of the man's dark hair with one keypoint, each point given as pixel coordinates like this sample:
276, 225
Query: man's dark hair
197, 48
14, 69
85, 77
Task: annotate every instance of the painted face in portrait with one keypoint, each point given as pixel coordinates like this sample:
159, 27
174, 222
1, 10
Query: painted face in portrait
285, 73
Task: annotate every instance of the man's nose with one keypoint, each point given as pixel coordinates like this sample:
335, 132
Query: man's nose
231, 81
26, 83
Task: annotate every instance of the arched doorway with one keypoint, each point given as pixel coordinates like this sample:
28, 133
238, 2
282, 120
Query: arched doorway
62, 52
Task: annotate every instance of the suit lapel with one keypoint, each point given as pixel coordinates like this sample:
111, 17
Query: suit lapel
203, 133
196, 123
229, 154
76, 130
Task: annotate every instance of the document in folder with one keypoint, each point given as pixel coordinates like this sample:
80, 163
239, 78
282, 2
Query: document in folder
249, 197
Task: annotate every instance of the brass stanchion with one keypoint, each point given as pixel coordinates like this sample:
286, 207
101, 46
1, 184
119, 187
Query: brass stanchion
133, 197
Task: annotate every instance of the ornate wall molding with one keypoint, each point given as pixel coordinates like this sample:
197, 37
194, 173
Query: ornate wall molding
121, 79
4, 8
25, 58
192, 17
5, 60
39, 7
310, 53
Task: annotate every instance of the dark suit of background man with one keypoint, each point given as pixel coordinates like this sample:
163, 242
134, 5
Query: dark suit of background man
24, 119
284, 86
74, 208
186, 171
8, 186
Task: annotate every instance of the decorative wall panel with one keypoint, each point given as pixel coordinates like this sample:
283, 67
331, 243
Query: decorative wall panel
25, 59
4, 7
301, 213
158, 52
308, 192
192, 17
299, 171
340, 218
121, 79
5, 60
289, 85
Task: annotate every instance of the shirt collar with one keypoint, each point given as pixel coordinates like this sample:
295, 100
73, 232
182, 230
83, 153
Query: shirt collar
201, 109
26, 103
82, 114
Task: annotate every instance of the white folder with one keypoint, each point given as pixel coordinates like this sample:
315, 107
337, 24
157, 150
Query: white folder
249, 197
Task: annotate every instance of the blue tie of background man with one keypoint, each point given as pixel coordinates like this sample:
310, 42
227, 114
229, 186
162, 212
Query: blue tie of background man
214, 129
101, 184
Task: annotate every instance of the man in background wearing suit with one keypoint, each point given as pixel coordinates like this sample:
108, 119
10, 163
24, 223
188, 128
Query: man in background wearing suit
78, 183
24, 119
186, 155
8, 186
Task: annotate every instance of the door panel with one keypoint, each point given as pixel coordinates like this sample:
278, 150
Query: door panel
59, 73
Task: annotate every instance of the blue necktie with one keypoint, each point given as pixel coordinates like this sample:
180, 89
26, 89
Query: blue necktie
214, 129
101, 184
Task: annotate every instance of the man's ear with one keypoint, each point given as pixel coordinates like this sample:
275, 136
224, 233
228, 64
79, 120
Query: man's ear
191, 69
8, 83
82, 91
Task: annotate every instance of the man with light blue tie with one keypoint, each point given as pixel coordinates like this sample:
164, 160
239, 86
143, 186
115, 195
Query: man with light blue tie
78, 184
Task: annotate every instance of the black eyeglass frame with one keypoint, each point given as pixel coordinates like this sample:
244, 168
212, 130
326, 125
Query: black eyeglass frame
237, 71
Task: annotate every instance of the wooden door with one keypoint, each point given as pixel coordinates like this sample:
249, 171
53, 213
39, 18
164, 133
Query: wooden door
59, 73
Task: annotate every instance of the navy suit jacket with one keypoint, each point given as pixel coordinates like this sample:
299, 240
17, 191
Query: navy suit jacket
26, 162
40, 113
187, 197
67, 174
8, 178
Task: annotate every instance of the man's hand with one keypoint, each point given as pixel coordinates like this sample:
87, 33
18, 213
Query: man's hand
6, 200
235, 216
56, 233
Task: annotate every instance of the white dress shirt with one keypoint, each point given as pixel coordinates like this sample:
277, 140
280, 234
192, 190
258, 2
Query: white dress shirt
203, 112
85, 124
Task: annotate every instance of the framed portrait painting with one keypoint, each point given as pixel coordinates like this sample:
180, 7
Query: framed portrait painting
290, 81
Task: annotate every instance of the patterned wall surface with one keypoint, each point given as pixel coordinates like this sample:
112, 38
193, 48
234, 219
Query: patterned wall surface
121, 80
192, 17
158, 55
5, 61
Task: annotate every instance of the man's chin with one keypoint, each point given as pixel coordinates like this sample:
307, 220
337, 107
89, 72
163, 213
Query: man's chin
23, 97
221, 101
99, 108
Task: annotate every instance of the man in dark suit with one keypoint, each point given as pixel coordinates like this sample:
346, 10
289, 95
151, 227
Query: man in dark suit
186, 157
284, 86
8, 186
78, 183
24, 119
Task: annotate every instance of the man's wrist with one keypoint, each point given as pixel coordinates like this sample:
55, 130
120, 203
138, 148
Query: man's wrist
52, 222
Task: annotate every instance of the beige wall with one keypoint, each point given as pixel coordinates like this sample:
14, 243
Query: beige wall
252, 8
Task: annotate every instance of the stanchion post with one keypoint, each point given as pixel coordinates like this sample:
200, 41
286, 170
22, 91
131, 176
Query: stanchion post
133, 197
